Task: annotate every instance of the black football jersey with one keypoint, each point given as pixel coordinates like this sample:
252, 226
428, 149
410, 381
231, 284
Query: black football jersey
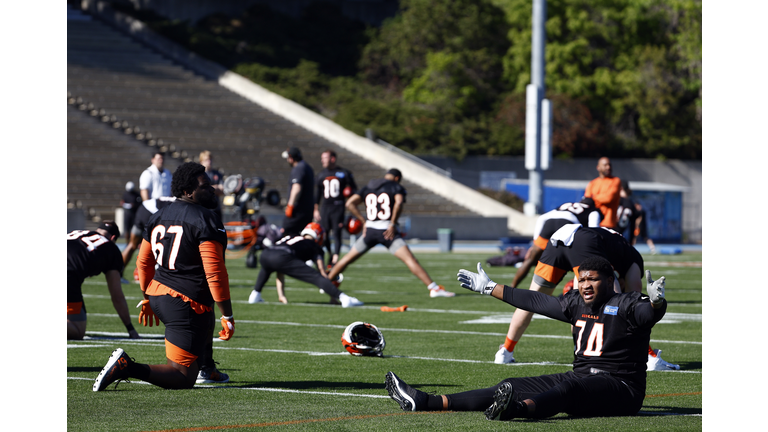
303, 175
583, 213
611, 337
379, 198
330, 187
551, 226
589, 242
301, 247
627, 215
90, 253
175, 234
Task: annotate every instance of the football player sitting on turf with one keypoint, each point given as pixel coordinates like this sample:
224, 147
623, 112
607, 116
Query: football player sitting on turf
611, 332
568, 246
384, 199
88, 254
289, 256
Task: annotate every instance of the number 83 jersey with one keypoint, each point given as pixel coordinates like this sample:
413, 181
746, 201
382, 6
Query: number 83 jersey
175, 234
379, 199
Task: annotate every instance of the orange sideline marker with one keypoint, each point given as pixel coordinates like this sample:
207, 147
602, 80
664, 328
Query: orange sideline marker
397, 309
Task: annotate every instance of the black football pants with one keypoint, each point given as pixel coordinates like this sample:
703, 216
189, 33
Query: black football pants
282, 261
569, 392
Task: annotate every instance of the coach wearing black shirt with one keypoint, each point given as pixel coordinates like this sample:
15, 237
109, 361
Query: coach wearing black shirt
301, 203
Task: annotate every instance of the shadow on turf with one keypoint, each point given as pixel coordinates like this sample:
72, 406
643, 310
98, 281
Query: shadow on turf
325, 385
668, 410
84, 369
690, 365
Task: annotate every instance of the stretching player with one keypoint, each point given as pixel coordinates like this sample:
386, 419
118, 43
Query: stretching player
384, 199
88, 254
570, 245
187, 242
611, 332
583, 212
288, 257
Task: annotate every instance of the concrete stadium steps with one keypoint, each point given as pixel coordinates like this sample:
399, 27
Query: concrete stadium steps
100, 161
137, 86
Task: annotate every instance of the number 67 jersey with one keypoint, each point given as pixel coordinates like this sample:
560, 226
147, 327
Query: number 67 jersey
186, 238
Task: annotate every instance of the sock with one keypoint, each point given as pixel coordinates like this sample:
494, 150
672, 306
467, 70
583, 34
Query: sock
433, 286
509, 344
434, 403
650, 351
139, 371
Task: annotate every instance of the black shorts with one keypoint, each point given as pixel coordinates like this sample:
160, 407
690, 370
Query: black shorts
74, 288
282, 261
186, 331
75, 304
558, 260
142, 217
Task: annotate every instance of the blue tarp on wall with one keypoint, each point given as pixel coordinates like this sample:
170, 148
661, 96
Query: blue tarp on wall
663, 208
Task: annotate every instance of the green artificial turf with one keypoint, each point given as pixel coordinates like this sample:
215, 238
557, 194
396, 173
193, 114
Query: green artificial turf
289, 370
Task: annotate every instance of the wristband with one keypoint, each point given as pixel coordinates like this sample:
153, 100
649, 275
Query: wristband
227, 317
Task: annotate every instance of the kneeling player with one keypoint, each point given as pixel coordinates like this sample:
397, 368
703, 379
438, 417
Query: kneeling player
187, 241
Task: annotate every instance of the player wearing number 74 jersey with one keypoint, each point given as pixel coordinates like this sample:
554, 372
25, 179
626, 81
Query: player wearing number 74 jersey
384, 199
186, 241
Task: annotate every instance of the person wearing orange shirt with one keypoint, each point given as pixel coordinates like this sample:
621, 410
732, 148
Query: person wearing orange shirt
605, 190
182, 274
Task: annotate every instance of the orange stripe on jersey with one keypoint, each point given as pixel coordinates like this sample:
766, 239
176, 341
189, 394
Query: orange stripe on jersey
548, 273
178, 355
541, 242
145, 263
155, 288
215, 270
74, 308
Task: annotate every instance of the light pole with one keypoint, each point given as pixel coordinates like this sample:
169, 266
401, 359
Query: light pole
538, 114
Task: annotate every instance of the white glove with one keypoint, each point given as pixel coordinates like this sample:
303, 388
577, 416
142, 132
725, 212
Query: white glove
478, 282
655, 288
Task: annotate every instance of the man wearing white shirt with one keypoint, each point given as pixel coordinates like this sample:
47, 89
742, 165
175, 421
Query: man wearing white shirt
155, 181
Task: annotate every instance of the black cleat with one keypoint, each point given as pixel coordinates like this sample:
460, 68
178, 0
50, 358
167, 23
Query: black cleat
408, 397
116, 369
504, 406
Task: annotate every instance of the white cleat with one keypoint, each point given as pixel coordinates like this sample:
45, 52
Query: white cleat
503, 356
440, 292
656, 363
347, 301
255, 297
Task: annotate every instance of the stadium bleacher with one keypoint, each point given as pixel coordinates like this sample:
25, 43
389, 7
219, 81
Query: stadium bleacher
125, 100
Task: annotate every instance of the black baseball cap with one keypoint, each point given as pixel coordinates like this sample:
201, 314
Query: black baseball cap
395, 172
110, 227
294, 153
